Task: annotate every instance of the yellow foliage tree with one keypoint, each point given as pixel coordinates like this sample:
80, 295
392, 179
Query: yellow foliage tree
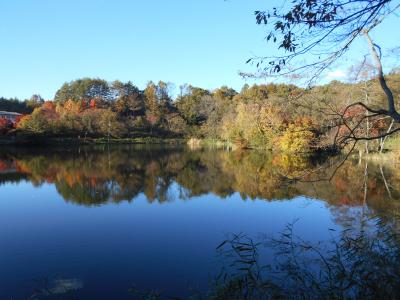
297, 138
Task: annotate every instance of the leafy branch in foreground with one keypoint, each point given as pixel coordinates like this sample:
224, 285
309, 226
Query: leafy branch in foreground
362, 265
323, 28
321, 32
354, 266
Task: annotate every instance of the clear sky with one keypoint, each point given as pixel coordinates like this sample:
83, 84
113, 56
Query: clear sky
45, 43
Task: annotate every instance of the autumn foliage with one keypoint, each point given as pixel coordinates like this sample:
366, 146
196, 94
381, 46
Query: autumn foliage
280, 117
5, 125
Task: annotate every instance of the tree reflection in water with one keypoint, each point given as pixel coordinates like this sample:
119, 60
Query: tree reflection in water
360, 262
98, 175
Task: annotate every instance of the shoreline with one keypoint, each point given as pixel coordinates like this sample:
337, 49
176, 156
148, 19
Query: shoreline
37, 140
192, 143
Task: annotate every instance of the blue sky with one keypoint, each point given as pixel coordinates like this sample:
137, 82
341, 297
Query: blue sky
45, 43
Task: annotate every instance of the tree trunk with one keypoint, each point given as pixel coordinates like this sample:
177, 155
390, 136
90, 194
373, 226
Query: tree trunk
109, 129
366, 113
383, 140
391, 110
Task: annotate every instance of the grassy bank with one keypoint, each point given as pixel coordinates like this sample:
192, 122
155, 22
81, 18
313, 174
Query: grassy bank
392, 157
42, 140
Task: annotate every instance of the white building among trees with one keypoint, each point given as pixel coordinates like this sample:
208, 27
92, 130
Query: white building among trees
11, 116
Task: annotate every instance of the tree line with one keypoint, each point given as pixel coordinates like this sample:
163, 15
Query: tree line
270, 116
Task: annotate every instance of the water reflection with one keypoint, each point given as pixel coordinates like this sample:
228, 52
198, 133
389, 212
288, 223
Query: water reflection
177, 218
95, 176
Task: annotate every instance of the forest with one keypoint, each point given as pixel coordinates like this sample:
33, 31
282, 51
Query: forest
282, 117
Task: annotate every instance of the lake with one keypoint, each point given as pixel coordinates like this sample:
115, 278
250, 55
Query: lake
92, 222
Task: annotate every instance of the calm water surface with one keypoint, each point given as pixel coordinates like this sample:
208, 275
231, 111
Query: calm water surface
91, 222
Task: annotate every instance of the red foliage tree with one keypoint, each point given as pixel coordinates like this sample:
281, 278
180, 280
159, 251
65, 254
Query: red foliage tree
17, 120
49, 105
356, 122
5, 125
